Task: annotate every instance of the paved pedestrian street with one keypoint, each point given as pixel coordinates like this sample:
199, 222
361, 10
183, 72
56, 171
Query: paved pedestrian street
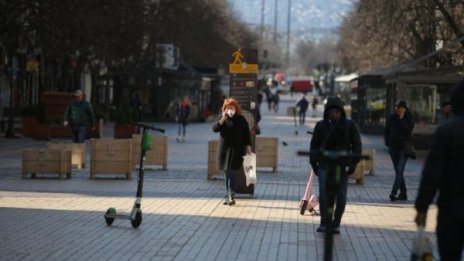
47, 218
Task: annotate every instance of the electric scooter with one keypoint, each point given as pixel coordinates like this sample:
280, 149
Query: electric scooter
334, 161
135, 216
309, 202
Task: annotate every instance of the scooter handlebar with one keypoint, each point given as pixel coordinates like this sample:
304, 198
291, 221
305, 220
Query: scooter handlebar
151, 127
328, 154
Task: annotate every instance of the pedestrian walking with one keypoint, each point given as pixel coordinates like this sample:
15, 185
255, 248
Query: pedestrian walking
314, 105
269, 97
302, 104
275, 101
446, 112
443, 174
137, 107
398, 130
78, 115
182, 114
335, 132
234, 143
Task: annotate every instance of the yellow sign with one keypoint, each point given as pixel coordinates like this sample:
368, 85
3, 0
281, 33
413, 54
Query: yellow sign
243, 68
237, 56
238, 66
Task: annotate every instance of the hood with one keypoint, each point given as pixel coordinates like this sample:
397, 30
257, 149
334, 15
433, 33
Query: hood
334, 102
457, 99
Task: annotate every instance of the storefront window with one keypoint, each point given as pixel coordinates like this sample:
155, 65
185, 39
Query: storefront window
425, 101
421, 101
375, 106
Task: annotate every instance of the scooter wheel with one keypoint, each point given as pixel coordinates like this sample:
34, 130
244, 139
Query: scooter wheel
303, 206
110, 212
138, 219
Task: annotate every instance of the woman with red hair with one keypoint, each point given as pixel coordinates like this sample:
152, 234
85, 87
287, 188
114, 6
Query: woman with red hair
234, 143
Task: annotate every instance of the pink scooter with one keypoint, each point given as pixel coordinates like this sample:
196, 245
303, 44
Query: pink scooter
309, 202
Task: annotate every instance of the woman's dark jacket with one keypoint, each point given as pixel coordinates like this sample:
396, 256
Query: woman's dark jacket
398, 131
182, 112
234, 137
341, 136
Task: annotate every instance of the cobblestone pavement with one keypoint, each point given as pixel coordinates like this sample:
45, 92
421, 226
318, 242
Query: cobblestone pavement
183, 217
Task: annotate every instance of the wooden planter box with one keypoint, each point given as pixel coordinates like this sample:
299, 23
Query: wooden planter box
364, 166
77, 150
369, 164
158, 155
358, 174
111, 156
291, 111
213, 147
267, 152
46, 161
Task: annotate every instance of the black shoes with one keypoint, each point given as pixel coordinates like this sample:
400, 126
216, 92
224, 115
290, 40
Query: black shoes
400, 197
320, 229
336, 229
323, 229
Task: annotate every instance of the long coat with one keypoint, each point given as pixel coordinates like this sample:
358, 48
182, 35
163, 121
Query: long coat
233, 139
398, 131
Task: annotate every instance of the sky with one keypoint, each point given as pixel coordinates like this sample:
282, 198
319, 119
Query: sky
307, 16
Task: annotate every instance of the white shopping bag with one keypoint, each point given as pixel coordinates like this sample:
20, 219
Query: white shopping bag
421, 246
249, 166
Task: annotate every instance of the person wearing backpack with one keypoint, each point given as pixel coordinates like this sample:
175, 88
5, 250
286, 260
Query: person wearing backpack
335, 132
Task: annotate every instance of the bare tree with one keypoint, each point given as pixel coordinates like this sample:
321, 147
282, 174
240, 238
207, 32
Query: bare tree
384, 33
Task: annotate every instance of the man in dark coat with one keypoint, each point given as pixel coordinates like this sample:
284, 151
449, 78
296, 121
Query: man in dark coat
398, 130
443, 173
303, 105
234, 143
334, 133
78, 115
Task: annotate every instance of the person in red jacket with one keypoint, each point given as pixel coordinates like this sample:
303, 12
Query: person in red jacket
182, 114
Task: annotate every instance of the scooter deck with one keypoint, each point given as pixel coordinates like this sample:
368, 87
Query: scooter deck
119, 216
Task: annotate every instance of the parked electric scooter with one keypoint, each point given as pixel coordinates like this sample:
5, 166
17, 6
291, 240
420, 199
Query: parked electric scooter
135, 216
309, 201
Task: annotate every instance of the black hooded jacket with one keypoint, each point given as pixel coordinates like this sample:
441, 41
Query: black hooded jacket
341, 136
398, 131
444, 167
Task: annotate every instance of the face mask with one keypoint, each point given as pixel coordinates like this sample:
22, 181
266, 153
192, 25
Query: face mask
231, 113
